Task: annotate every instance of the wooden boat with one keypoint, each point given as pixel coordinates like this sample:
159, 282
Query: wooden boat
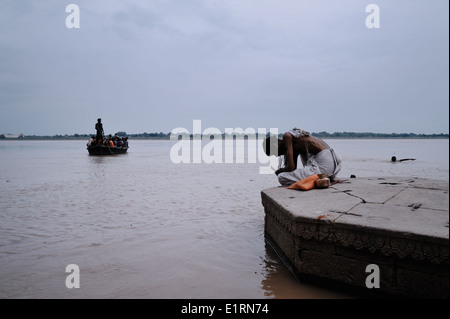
106, 150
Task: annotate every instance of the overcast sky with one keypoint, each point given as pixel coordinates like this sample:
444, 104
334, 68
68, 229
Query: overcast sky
151, 66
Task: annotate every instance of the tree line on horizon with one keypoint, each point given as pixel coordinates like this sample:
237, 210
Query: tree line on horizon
161, 135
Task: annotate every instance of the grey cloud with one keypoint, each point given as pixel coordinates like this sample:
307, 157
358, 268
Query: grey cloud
228, 62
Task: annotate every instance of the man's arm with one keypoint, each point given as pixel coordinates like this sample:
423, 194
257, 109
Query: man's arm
289, 155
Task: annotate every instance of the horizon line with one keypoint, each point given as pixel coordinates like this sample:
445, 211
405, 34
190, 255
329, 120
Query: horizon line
154, 134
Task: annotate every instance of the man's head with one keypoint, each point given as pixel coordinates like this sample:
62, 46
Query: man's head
99, 120
271, 145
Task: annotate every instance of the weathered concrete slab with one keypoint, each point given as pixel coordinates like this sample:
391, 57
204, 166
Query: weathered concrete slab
307, 205
426, 198
400, 224
370, 190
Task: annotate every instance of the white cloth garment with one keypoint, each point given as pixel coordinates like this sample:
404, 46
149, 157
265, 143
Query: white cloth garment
325, 162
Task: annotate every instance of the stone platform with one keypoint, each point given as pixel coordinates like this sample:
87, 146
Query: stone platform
331, 235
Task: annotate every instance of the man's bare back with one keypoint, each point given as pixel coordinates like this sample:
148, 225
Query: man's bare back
308, 145
291, 147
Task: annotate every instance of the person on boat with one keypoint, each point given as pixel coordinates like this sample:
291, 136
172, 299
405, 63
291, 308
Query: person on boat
99, 129
116, 140
91, 141
316, 155
109, 141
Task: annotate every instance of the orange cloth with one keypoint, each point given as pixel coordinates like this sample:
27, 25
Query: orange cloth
305, 184
111, 143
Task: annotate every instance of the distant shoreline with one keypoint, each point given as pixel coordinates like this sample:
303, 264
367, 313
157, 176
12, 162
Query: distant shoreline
164, 136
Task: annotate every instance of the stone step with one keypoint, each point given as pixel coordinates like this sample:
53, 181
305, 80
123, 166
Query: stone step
401, 225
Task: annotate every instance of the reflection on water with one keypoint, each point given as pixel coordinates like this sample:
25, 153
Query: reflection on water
140, 226
280, 283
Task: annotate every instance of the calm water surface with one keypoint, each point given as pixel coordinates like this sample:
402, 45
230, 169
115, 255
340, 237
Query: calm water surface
140, 226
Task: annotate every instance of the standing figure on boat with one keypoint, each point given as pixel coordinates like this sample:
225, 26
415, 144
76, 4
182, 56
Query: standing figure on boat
99, 129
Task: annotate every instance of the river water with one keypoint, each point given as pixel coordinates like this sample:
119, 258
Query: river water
140, 226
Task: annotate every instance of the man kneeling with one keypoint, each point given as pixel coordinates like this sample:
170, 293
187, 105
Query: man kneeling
316, 156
